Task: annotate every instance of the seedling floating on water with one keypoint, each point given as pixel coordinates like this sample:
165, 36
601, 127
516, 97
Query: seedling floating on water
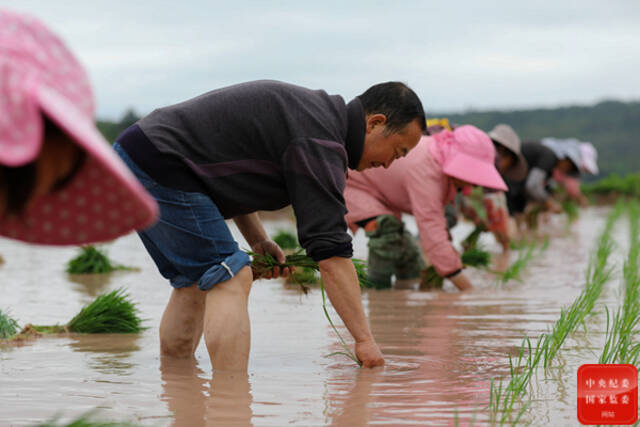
92, 261
108, 314
8, 325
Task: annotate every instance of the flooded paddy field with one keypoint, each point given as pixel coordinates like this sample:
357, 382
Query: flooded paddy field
442, 348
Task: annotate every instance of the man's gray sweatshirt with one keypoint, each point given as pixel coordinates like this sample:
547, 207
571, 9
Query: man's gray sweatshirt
260, 146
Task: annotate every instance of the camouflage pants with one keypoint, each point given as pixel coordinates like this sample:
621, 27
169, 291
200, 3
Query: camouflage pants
392, 251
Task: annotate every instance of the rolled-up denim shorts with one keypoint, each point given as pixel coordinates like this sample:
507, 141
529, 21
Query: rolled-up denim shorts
191, 242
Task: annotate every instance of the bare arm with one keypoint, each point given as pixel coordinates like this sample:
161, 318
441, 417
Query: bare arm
461, 281
341, 282
254, 233
251, 228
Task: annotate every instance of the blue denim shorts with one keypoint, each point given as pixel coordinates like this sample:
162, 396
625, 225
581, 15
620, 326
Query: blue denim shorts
191, 242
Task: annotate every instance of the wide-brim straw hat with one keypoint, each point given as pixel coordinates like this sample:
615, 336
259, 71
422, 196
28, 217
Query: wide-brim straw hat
505, 135
40, 76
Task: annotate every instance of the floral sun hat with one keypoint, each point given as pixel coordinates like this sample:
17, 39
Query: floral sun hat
40, 76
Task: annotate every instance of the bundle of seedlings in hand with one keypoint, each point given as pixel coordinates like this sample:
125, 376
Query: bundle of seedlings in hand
92, 261
8, 325
262, 265
286, 240
109, 313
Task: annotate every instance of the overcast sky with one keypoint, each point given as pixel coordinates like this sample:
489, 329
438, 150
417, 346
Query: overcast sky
455, 54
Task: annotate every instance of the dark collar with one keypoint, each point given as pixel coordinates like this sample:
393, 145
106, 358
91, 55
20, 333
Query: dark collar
354, 143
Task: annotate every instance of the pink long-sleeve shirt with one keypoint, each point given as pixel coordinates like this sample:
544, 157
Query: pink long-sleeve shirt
414, 185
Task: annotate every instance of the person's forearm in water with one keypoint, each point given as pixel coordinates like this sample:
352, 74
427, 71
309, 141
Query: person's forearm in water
341, 283
461, 281
251, 228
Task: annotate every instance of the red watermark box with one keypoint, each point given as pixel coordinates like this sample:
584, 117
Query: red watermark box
607, 394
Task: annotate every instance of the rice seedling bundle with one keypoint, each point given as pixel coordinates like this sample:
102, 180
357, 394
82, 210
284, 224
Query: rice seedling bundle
92, 260
262, 265
107, 314
571, 209
8, 325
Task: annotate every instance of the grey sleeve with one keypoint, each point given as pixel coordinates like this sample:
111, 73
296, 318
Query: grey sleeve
535, 185
314, 172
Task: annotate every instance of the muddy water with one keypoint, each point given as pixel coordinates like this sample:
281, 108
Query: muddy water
441, 348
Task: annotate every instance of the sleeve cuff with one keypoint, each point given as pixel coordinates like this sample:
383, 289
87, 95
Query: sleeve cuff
344, 250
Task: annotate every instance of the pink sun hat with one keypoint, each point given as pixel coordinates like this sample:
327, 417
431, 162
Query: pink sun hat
39, 75
467, 153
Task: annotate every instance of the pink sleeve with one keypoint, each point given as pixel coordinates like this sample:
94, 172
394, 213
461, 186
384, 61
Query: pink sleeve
425, 190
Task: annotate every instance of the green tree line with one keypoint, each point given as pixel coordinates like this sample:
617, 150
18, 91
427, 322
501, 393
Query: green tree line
612, 126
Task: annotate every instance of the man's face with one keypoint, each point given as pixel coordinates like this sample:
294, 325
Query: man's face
381, 148
566, 166
505, 159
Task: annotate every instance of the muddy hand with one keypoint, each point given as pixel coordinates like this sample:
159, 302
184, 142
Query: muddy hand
369, 354
268, 246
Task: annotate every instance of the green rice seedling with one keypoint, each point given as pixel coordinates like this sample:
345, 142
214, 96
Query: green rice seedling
286, 240
8, 325
476, 257
471, 241
515, 269
361, 271
598, 273
109, 313
262, 265
347, 351
475, 199
92, 260
616, 185
502, 400
619, 344
84, 421
571, 209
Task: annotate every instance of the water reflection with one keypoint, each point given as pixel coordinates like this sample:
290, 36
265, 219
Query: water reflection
91, 284
430, 373
225, 400
113, 351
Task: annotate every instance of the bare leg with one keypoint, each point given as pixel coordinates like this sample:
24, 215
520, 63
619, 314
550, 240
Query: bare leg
182, 322
227, 330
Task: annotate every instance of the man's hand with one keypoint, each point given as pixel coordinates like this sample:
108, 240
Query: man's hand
268, 246
369, 354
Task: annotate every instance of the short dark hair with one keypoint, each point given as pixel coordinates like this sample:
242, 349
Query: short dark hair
397, 102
